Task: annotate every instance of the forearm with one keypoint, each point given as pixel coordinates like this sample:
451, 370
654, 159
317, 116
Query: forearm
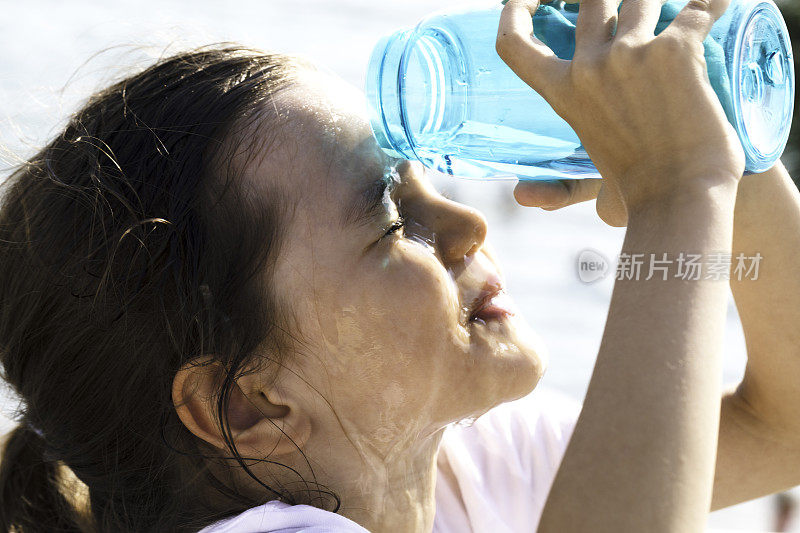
759, 437
767, 221
642, 454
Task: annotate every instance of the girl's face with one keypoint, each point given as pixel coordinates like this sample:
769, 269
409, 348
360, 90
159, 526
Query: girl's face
392, 285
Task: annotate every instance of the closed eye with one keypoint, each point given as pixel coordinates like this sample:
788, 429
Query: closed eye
396, 226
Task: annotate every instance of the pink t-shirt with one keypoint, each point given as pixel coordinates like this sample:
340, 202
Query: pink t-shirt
503, 465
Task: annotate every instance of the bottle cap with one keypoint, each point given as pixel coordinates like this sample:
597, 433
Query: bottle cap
763, 85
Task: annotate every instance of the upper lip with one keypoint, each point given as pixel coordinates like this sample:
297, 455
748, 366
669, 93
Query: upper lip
490, 289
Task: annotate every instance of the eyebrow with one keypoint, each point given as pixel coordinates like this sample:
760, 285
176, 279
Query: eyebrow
368, 203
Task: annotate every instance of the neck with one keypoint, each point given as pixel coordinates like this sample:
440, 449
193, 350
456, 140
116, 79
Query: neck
389, 491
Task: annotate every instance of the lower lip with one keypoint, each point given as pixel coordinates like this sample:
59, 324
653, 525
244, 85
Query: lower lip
491, 312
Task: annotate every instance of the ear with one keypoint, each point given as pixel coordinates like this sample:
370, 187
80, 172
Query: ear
263, 420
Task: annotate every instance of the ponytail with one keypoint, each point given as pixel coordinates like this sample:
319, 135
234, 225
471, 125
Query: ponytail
30, 499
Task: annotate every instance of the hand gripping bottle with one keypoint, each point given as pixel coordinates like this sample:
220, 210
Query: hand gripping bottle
440, 93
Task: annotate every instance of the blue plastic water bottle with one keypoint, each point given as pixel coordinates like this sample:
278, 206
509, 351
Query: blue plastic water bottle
440, 93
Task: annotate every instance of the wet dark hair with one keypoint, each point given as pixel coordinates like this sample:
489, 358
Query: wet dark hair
128, 247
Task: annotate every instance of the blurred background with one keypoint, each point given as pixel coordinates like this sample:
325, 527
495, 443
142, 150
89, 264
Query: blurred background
791, 158
53, 54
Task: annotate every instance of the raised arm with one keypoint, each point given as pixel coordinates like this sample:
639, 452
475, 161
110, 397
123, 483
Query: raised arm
759, 440
642, 454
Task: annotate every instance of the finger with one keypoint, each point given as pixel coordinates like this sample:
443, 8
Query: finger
555, 194
541, 193
530, 59
638, 18
694, 21
595, 25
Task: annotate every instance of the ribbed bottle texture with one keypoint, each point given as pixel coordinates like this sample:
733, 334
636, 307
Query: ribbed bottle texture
440, 93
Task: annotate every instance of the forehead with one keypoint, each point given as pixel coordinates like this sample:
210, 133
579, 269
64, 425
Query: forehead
325, 152
329, 126
319, 154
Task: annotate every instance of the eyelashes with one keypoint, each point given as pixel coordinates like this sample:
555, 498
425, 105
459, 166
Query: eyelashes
396, 226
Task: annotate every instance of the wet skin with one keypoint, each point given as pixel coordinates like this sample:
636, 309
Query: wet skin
399, 325
388, 343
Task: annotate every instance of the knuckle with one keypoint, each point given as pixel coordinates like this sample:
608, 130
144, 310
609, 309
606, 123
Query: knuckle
670, 45
698, 5
625, 53
624, 46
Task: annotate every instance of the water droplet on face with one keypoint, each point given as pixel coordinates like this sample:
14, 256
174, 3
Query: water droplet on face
393, 178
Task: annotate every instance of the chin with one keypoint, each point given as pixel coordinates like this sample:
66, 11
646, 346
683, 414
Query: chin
517, 369
534, 353
523, 377
507, 367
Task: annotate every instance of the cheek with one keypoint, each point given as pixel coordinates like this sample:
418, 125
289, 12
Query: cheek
379, 332
413, 286
393, 315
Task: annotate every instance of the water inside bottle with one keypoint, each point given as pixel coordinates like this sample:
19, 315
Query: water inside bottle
461, 126
439, 93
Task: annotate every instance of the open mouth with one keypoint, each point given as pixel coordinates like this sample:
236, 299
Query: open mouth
481, 292
492, 304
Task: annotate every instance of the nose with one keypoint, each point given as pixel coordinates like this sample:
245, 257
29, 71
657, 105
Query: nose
460, 230
455, 230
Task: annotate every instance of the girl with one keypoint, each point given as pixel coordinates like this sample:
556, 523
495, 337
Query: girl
227, 309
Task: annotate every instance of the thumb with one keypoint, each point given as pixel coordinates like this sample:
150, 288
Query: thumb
555, 194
